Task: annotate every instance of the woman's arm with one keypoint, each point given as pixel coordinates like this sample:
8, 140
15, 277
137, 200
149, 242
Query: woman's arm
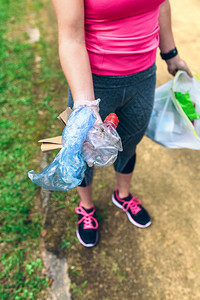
72, 50
167, 42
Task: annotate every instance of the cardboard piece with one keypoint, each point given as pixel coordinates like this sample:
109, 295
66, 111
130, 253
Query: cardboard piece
55, 142
64, 116
51, 143
48, 147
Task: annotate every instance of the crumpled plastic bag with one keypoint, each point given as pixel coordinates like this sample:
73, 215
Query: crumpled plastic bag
101, 146
67, 170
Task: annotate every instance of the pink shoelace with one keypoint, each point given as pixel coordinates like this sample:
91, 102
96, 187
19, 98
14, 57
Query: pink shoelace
132, 204
87, 218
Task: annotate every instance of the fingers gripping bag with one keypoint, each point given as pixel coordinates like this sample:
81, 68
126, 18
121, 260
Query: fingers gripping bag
175, 119
66, 171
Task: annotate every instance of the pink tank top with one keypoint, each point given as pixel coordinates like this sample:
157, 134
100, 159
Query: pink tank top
121, 35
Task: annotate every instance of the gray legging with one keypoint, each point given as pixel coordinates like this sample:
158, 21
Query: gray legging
131, 97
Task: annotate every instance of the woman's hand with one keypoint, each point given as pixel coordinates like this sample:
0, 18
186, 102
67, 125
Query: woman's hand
94, 105
176, 63
97, 115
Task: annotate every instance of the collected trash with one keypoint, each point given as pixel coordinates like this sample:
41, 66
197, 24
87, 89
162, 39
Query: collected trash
102, 143
82, 142
175, 119
67, 169
187, 105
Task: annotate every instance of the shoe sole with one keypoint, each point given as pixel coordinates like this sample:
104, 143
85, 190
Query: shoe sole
129, 216
84, 244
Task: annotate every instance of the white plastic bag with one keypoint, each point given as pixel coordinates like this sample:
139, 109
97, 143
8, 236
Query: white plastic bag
169, 125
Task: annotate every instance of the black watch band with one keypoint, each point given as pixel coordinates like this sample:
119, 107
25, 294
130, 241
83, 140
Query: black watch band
172, 53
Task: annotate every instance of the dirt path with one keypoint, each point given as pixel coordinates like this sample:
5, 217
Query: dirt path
161, 262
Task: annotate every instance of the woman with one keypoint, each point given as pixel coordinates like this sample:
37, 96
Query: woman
107, 50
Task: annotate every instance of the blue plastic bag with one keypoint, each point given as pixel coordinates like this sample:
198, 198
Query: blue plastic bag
67, 170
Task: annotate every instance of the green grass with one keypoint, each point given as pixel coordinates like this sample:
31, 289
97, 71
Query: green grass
27, 95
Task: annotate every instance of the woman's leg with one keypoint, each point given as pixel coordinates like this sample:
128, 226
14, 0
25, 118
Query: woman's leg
85, 194
123, 184
133, 116
123, 179
87, 225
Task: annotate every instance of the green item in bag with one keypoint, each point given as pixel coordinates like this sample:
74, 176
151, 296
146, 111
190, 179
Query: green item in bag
187, 105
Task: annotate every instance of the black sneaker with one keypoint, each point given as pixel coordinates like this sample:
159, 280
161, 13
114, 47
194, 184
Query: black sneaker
133, 208
87, 226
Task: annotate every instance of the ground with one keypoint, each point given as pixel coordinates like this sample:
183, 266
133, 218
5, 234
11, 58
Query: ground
161, 262
157, 263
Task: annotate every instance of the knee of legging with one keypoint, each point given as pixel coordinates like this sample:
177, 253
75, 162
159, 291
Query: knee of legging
124, 165
87, 180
